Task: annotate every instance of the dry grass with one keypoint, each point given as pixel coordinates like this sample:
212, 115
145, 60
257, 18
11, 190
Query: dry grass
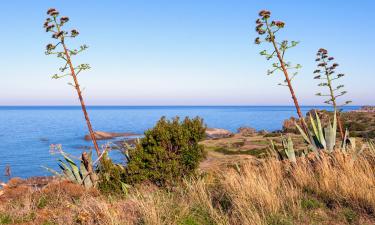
335, 189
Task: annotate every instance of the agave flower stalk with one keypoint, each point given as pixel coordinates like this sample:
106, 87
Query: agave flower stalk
326, 72
267, 28
54, 24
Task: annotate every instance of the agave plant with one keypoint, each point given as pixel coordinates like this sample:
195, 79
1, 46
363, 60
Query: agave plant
326, 72
267, 29
320, 138
287, 148
83, 175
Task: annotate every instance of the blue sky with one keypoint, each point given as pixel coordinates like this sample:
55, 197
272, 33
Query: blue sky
183, 52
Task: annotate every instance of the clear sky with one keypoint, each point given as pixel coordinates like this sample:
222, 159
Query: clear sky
183, 52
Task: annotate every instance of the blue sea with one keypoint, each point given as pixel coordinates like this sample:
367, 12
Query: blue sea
27, 132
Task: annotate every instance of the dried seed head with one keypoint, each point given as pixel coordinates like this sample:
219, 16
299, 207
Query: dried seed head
50, 10
54, 13
265, 14
279, 24
74, 33
259, 26
257, 41
335, 65
323, 51
49, 27
317, 77
322, 64
317, 71
258, 21
64, 19
331, 58
50, 47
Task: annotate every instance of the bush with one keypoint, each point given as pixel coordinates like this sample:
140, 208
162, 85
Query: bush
168, 152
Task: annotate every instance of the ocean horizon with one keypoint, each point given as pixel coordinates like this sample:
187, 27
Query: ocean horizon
28, 131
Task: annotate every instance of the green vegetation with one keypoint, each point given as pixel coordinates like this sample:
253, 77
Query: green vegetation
247, 178
168, 152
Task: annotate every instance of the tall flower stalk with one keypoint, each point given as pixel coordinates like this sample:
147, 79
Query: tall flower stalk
326, 72
54, 24
266, 27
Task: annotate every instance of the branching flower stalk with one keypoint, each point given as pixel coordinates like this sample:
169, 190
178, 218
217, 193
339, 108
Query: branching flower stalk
326, 73
54, 24
269, 29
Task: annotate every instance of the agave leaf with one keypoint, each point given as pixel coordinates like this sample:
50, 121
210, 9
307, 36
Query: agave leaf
275, 151
52, 171
124, 188
304, 135
320, 132
75, 169
334, 125
85, 176
289, 149
330, 139
314, 126
353, 144
346, 137
67, 171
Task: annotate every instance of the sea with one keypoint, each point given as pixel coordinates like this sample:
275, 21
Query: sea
27, 132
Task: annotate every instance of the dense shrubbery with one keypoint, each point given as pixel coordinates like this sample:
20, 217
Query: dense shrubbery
169, 151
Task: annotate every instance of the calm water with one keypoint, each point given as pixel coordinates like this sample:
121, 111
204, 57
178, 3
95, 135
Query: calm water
27, 132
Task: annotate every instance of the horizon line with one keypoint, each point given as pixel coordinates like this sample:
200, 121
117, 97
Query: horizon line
179, 105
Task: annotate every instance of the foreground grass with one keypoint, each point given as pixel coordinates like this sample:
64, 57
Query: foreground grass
333, 190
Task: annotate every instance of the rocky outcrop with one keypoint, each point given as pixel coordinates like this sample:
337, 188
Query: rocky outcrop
101, 135
289, 125
366, 108
216, 133
247, 131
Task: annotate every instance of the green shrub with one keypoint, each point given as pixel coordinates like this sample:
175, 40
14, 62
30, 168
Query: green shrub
111, 176
350, 216
310, 203
168, 152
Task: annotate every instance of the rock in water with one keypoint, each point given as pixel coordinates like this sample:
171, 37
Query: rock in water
215, 133
101, 135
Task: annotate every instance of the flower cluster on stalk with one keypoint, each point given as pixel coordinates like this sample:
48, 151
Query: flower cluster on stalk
326, 73
55, 24
267, 29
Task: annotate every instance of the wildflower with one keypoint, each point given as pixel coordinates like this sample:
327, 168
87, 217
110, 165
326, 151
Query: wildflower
258, 21
331, 58
317, 59
46, 24
335, 65
340, 75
